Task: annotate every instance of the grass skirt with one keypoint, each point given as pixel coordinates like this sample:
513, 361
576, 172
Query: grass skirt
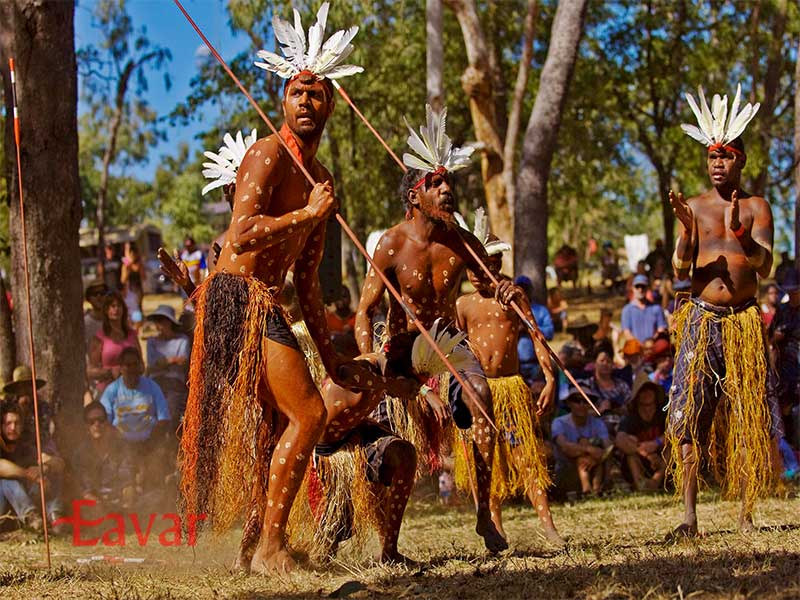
739, 446
227, 439
335, 503
519, 460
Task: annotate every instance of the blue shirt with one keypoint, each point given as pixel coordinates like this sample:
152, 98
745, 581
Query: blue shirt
543, 319
135, 412
643, 323
593, 428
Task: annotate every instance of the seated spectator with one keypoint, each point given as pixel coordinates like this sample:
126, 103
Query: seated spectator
612, 393
168, 359
139, 411
641, 437
341, 324
582, 447
769, 306
19, 471
574, 359
558, 309
609, 265
582, 331
641, 319
107, 346
606, 330
20, 390
103, 471
633, 359
662, 362
94, 294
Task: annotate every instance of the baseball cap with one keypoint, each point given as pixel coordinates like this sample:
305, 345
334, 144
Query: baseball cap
641, 280
631, 347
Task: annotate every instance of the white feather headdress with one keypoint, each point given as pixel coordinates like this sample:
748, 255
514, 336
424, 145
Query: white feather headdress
425, 360
481, 231
433, 147
715, 126
226, 162
323, 60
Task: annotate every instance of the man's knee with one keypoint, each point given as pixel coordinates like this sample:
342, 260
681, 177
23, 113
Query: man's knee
401, 456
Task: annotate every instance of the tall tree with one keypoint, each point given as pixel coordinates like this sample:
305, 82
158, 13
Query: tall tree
111, 71
434, 53
531, 208
40, 36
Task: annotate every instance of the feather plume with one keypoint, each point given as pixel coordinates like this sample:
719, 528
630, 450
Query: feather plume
323, 59
225, 163
482, 233
460, 220
433, 146
716, 125
425, 360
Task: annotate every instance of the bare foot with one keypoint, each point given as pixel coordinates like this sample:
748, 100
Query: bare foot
279, 561
242, 562
682, 531
553, 537
492, 539
746, 524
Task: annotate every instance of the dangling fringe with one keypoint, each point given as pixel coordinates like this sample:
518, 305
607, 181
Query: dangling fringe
519, 460
220, 444
739, 445
414, 421
310, 352
336, 503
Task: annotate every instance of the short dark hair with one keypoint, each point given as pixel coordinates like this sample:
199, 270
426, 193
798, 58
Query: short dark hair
407, 183
93, 405
738, 144
129, 351
398, 353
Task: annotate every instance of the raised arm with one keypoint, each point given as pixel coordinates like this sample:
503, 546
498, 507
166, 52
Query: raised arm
756, 240
371, 294
684, 245
262, 170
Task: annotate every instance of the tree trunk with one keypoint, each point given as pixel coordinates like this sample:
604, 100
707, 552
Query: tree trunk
531, 213
797, 158
667, 216
41, 37
477, 82
7, 344
434, 54
771, 82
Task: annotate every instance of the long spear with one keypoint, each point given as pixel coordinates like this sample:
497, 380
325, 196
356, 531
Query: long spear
529, 324
345, 227
28, 310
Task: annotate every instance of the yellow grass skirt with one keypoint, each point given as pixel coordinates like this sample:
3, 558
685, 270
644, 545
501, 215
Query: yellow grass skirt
739, 445
520, 460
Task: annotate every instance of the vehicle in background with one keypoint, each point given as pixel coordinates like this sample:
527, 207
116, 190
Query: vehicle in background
147, 239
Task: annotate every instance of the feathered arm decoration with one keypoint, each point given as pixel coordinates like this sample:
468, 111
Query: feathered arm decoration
425, 360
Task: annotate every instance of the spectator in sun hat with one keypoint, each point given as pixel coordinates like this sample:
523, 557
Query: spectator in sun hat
20, 391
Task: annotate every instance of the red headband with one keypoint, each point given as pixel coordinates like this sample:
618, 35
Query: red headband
439, 171
721, 146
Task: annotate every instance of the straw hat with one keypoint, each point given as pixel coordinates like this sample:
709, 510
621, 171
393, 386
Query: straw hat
22, 382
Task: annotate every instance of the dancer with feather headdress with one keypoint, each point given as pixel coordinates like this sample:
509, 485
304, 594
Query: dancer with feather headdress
425, 256
721, 403
520, 460
254, 412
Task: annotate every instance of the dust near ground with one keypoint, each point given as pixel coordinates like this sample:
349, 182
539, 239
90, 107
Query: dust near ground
616, 550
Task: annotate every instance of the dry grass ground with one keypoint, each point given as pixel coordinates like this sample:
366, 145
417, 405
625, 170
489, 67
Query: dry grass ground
616, 550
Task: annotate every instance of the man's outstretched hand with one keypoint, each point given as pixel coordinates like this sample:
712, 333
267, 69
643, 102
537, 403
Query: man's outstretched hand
175, 270
682, 211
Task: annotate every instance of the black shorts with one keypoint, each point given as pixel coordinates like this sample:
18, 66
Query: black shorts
278, 330
374, 438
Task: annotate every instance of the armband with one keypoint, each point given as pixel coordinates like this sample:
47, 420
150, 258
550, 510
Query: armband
680, 265
425, 389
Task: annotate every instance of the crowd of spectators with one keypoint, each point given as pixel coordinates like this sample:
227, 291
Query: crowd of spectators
137, 367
